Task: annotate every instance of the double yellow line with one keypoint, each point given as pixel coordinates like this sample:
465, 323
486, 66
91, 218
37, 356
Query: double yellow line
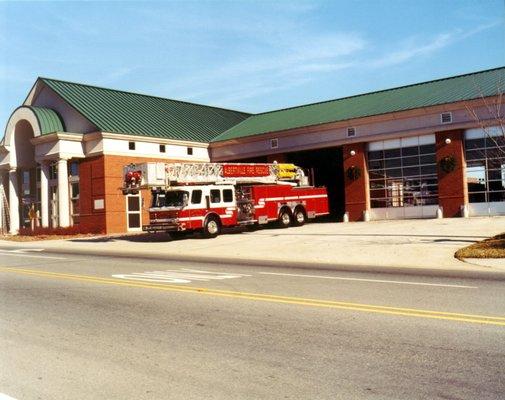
410, 312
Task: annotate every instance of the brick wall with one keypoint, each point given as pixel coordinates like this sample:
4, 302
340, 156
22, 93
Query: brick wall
115, 201
357, 193
452, 188
92, 187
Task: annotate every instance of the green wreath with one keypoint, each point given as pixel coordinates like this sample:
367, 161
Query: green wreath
447, 164
353, 173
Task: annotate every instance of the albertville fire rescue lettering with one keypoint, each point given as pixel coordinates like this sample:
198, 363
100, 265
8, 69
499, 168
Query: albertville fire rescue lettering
209, 196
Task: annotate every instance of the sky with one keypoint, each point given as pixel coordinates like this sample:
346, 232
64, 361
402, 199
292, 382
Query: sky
251, 56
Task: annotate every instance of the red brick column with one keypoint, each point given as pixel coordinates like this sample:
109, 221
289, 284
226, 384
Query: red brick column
452, 188
91, 186
357, 192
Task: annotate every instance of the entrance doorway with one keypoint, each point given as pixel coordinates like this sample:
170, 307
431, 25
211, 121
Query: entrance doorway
326, 167
134, 212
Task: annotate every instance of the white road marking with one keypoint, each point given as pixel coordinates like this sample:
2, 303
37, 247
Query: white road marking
3, 396
371, 280
183, 275
24, 253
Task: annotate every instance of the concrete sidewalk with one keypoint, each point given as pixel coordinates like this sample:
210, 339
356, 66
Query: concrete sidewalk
406, 244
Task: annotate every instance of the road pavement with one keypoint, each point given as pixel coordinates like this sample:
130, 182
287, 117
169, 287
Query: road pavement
82, 327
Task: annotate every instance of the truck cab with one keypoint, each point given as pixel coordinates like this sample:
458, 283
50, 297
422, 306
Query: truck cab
181, 208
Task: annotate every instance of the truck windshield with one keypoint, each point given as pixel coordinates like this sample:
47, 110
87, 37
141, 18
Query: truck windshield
172, 198
176, 198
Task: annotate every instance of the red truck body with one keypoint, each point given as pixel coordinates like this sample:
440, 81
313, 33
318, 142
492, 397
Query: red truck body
237, 194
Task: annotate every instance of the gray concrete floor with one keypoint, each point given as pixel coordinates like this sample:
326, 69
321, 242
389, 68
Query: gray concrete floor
403, 244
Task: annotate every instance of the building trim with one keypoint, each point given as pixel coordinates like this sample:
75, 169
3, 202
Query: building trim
138, 138
356, 122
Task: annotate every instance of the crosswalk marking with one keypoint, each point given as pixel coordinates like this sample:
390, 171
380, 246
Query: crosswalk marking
183, 275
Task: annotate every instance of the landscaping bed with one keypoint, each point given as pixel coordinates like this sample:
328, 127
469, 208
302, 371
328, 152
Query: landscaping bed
493, 247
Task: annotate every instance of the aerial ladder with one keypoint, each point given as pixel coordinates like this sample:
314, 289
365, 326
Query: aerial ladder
164, 175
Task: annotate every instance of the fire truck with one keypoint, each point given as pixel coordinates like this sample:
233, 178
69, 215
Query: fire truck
210, 196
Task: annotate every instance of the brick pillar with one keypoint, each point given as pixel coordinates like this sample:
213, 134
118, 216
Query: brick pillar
452, 188
357, 192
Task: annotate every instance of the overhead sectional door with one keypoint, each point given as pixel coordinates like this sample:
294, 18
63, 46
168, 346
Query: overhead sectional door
403, 178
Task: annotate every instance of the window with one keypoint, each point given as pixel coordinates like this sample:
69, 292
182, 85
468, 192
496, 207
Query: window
403, 172
215, 196
351, 132
131, 145
196, 197
189, 151
446, 118
163, 148
73, 168
485, 158
227, 195
274, 143
74, 202
53, 171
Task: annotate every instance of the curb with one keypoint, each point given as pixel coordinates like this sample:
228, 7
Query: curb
484, 274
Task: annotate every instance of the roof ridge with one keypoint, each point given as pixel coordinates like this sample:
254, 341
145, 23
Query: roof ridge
143, 94
374, 92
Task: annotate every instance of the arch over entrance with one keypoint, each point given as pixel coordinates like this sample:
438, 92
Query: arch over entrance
19, 166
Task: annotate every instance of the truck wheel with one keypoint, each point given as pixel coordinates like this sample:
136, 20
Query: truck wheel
284, 218
299, 218
212, 227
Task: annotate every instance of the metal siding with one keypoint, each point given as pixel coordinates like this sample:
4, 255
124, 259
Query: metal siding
136, 114
49, 120
443, 91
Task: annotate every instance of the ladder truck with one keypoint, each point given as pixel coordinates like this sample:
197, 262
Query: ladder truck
207, 197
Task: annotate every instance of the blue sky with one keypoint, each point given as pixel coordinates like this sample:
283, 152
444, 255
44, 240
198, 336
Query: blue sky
252, 56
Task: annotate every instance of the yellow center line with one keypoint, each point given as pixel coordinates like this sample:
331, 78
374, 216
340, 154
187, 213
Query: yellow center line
412, 312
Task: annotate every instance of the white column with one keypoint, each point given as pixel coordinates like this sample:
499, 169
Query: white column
2, 222
13, 201
63, 200
44, 194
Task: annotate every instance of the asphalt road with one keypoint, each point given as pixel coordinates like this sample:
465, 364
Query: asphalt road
80, 327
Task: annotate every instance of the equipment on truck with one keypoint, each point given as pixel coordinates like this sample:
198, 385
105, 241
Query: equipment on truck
210, 196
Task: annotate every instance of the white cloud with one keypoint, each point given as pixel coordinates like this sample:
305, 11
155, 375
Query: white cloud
416, 47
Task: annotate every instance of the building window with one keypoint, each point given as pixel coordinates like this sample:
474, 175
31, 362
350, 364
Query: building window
163, 148
274, 143
403, 172
73, 169
74, 202
189, 151
131, 145
351, 132
485, 160
446, 118
53, 171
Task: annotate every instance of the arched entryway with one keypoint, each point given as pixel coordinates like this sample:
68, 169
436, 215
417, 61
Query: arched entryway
31, 179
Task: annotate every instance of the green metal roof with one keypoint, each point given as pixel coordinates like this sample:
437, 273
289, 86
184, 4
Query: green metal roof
458, 88
137, 114
49, 120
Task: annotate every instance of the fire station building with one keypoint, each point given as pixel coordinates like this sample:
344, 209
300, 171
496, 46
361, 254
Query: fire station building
415, 151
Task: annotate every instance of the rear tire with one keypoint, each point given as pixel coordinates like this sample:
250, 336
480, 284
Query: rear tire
284, 219
212, 227
299, 217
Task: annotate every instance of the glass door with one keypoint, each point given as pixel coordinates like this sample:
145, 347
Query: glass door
134, 212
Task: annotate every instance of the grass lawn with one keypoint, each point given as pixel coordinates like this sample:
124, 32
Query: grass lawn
489, 248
